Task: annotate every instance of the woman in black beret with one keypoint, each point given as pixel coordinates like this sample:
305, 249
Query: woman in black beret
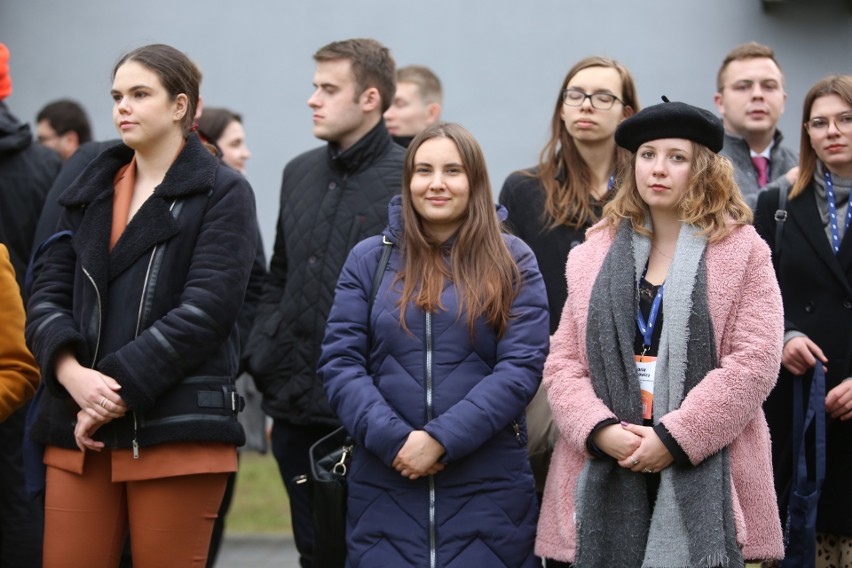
668, 344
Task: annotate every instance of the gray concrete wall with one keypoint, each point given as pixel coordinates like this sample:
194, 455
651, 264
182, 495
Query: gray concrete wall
501, 61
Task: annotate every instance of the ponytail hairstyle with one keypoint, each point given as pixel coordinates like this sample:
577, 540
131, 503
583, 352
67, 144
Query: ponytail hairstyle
177, 73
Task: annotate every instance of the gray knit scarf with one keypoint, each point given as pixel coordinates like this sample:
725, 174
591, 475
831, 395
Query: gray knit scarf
692, 522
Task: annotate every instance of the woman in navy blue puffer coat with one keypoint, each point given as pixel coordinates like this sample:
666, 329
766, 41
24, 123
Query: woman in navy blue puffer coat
433, 388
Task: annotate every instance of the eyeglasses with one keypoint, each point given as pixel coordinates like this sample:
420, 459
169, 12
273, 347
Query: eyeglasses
819, 124
600, 101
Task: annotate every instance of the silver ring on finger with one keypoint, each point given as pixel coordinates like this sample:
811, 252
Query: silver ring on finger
103, 403
647, 470
634, 460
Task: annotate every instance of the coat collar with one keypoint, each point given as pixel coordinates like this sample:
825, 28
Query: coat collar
804, 213
363, 153
193, 172
735, 139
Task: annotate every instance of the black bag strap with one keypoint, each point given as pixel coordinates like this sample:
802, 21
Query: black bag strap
780, 219
387, 245
333, 441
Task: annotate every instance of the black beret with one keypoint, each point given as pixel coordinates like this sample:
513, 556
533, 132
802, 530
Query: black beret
671, 120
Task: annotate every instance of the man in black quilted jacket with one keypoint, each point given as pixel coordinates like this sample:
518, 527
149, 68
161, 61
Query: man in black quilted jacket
331, 198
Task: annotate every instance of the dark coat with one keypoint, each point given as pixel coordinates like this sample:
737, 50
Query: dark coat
52, 211
158, 312
471, 399
330, 200
523, 196
26, 172
781, 159
816, 287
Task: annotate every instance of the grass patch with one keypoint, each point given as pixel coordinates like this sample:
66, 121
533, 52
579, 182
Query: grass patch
260, 502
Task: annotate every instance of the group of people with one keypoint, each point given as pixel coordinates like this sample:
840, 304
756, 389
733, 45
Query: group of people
622, 274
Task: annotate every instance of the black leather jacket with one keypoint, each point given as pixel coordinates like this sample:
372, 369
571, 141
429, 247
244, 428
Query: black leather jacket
158, 312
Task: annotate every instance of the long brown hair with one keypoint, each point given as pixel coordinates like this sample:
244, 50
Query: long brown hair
840, 85
485, 274
712, 201
569, 202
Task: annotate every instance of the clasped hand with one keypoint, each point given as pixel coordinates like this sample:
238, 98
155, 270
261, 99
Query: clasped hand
634, 447
419, 456
97, 396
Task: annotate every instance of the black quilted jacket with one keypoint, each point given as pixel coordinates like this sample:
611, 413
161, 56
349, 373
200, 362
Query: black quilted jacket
330, 201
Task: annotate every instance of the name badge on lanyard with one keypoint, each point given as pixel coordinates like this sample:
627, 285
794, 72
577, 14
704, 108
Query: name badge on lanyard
832, 213
646, 366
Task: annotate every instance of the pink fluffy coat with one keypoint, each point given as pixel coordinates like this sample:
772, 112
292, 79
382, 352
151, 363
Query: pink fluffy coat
723, 410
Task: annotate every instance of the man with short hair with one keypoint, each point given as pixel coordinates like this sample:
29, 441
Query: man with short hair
416, 104
331, 198
750, 97
63, 126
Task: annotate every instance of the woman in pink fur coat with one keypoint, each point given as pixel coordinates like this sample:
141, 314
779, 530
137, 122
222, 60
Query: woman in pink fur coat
668, 345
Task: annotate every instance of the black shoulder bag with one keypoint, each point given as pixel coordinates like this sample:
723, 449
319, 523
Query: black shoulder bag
330, 457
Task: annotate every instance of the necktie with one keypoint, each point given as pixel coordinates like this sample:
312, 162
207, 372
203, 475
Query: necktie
761, 166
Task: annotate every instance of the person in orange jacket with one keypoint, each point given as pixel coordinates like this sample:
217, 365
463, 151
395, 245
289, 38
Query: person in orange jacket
18, 370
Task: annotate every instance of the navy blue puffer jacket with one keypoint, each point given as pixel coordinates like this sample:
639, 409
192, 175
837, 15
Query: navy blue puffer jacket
469, 394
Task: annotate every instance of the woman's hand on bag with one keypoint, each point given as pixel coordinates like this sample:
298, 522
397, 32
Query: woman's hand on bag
652, 456
838, 401
419, 456
616, 442
801, 354
85, 429
95, 393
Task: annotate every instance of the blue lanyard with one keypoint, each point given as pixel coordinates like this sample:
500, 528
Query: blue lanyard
610, 183
647, 328
832, 213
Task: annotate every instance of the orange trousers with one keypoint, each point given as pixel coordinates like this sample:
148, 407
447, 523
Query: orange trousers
87, 517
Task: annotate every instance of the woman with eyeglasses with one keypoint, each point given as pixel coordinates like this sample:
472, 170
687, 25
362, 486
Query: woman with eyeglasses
814, 267
552, 204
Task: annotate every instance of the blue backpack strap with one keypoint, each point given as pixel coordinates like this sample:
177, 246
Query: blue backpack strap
40, 249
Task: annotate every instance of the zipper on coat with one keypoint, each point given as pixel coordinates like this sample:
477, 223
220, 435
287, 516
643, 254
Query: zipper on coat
100, 315
517, 429
429, 416
135, 441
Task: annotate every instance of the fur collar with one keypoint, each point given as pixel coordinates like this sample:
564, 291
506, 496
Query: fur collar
192, 173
